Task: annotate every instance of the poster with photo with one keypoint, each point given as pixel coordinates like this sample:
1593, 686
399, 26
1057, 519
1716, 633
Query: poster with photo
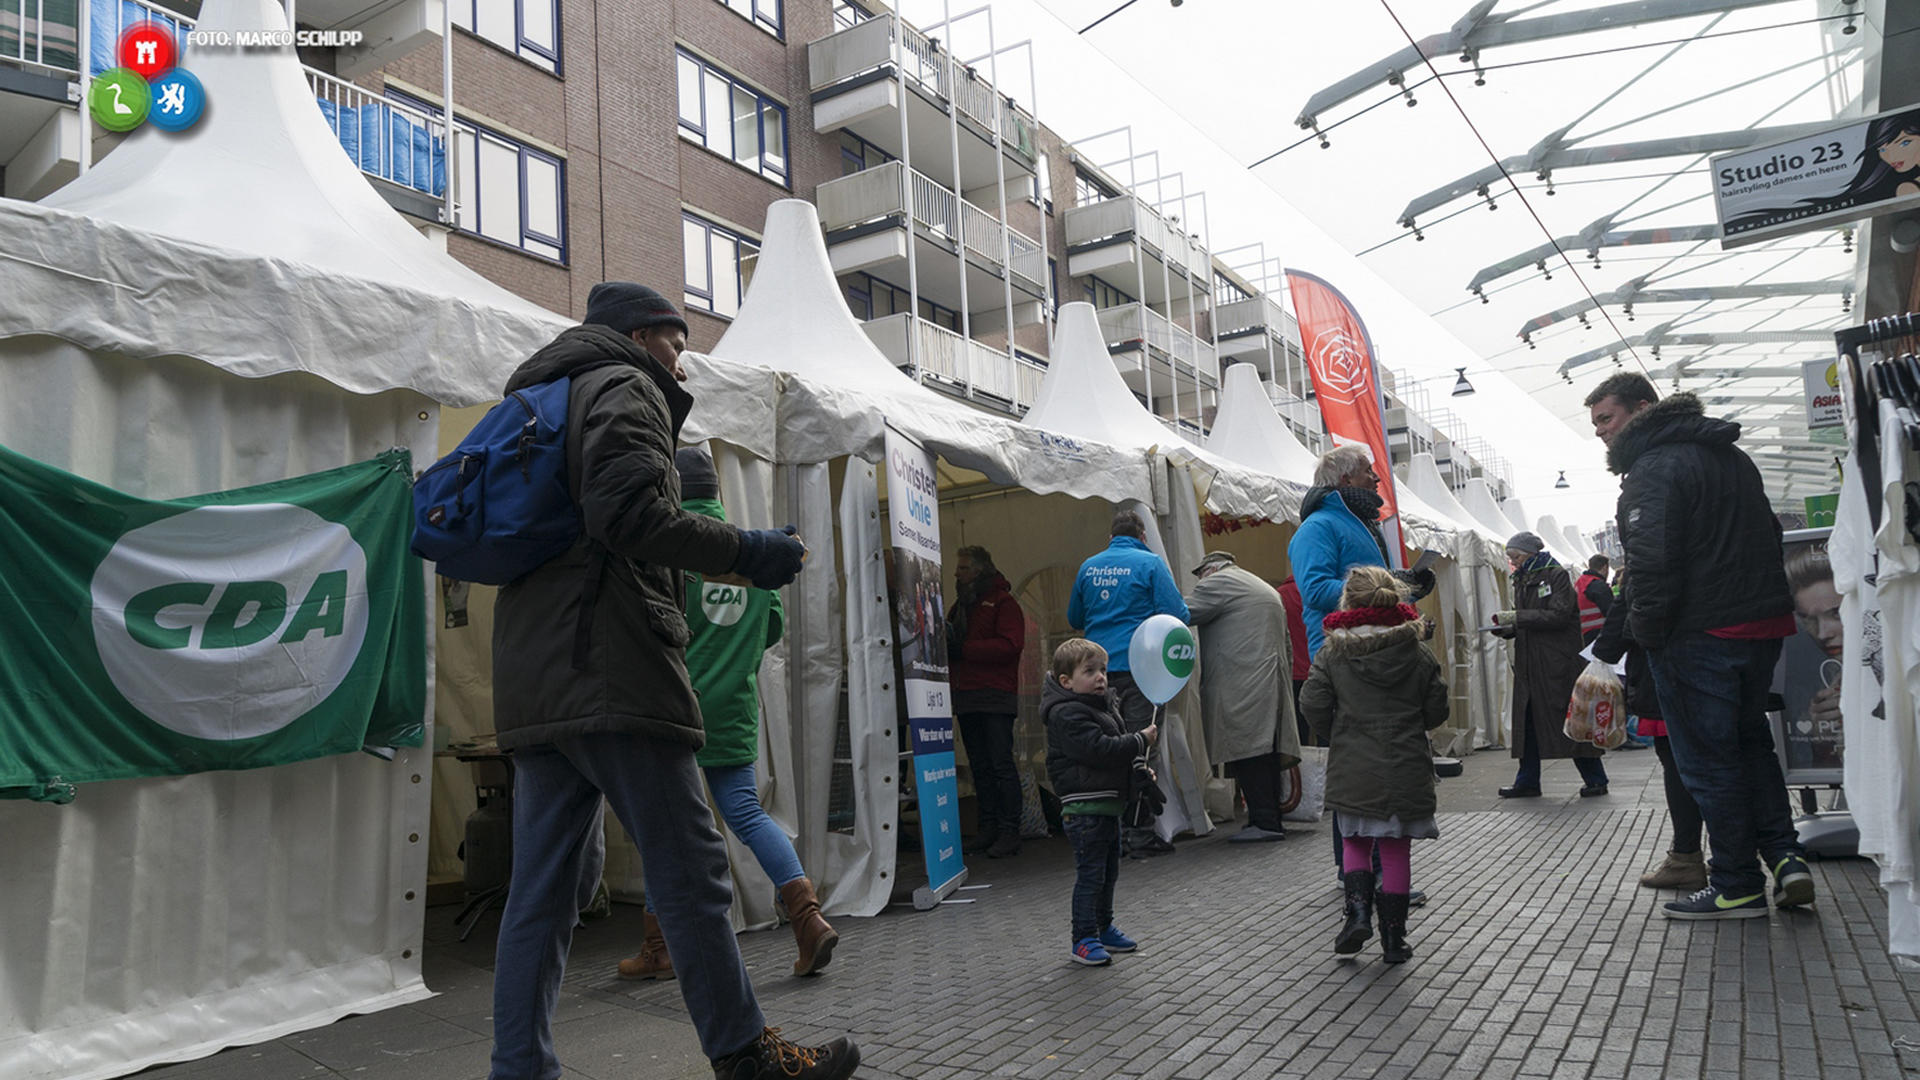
1853, 170
1812, 665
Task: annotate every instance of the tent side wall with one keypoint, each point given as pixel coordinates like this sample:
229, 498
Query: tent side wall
197, 912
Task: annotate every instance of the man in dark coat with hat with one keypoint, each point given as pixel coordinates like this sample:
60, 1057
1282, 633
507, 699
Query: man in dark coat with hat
591, 695
1544, 624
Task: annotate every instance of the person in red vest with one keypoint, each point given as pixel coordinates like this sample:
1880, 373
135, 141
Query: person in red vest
1595, 598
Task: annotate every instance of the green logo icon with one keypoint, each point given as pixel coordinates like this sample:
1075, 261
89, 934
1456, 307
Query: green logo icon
119, 99
1178, 650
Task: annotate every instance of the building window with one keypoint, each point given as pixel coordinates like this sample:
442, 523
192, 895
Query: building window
764, 14
732, 119
719, 265
859, 155
868, 297
529, 29
1087, 190
506, 190
847, 14
1102, 295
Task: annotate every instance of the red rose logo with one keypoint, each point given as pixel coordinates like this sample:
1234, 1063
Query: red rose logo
1341, 371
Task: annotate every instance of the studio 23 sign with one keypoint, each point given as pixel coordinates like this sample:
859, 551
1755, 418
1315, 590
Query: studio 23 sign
1855, 169
148, 86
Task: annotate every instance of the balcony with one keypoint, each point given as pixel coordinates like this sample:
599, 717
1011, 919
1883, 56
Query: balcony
960, 365
401, 149
1302, 417
1100, 240
855, 84
865, 219
1129, 327
1246, 327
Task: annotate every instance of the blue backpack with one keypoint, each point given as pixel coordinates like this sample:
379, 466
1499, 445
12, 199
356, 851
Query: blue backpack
499, 506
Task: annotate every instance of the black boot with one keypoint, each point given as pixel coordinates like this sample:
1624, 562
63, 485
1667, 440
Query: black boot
983, 838
1393, 928
1359, 926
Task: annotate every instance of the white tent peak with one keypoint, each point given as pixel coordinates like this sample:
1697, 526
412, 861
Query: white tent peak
1248, 430
1578, 542
1477, 497
1083, 395
794, 318
1423, 476
1549, 530
1516, 514
262, 173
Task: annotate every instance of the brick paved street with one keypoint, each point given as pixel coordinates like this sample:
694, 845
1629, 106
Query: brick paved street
1539, 956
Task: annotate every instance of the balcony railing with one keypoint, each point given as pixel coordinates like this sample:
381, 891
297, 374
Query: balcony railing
1138, 322
1113, 217
1027, 377
958, 361
40, 34
887, 190
1255, 311
868, 45
385, 138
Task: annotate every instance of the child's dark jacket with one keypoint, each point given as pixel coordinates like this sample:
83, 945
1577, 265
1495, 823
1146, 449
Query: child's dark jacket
1089, 755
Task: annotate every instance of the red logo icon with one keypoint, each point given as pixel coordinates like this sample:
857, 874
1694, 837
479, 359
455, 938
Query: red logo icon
148, 49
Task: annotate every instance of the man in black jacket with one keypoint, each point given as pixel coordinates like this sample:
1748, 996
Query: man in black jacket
591, 694
1710, 604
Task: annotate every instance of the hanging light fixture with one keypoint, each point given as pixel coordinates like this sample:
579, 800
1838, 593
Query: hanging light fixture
1461, 387
1562, 482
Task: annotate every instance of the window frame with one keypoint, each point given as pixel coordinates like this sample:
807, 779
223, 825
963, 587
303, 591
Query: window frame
777, 26
477, 131
522, 45
701, 135
709, 227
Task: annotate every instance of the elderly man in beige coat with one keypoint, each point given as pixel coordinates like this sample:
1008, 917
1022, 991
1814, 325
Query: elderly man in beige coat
1246, 697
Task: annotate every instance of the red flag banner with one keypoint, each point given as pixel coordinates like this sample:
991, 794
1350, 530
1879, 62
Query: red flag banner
1346, 379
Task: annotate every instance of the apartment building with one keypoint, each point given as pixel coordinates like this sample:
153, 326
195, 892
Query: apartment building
644, 140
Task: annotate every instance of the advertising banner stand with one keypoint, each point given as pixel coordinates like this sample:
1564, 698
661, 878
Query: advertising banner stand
1807, 731
919, 620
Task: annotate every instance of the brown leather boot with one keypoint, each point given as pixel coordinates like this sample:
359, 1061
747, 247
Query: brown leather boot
1686, 872
653, 961
811, 932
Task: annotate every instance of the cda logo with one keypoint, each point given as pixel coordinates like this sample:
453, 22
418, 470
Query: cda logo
148, 86
723, 605
231, 622
1178, 652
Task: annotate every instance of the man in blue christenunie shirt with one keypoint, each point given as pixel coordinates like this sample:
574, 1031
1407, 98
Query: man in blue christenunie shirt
1117, 590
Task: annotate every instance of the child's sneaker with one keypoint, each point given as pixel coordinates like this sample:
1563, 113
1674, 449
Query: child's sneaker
1115, 941
1089, 951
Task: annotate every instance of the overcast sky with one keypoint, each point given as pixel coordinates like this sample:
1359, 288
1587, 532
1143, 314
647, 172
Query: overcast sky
1216, 84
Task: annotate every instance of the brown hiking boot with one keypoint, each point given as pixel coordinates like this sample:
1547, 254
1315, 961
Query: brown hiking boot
771, 1057
811, 932
1686, 872
653, 961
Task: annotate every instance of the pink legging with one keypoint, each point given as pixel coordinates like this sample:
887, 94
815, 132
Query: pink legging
1396, 860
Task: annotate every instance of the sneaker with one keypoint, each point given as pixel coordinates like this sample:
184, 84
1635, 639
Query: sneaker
1792, 883
771, 1057
1521, 791
1115, 941
1155, 846
1709, 904
1090, 952
1588, 791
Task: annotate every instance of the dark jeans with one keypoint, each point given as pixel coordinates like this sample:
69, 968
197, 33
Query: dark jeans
654, 789
996, 780
1528, 775
1680, 805
1261, 779
1713, 696
1096, 861
1136, 713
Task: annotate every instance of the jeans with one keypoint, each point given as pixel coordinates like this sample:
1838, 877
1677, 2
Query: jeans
737, 793
996, 780
1591, 771
654, 788
1713, 696
1136, 712
1096, 860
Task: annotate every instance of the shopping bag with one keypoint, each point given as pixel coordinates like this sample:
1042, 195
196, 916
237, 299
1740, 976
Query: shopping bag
1221, 795
1597, 714
1313, 785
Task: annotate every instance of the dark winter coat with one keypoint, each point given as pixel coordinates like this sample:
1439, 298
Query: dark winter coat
1546, 659
1373, 693
986, 658
1089, 755
622, 422
1699, 532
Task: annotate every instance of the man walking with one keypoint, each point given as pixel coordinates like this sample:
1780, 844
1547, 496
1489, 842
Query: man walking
986, 630
591, 695
1245, 693
1710, 604
1117, 590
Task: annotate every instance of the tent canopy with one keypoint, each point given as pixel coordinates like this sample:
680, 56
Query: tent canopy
287, 260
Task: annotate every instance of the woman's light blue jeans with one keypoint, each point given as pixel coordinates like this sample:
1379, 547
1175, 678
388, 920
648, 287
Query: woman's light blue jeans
736, 791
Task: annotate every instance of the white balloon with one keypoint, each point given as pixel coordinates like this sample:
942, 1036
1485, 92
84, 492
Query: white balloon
1161, 657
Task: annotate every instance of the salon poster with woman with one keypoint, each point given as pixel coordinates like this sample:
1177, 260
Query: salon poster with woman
1811, 665
1852, 170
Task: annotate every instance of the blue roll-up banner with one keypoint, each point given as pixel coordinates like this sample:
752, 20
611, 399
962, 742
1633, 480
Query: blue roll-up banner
919, 620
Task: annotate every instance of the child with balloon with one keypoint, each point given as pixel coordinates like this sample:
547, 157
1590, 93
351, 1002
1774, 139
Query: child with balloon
1374, 692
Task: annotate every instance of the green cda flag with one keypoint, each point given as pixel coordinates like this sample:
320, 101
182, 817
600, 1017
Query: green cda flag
235, 630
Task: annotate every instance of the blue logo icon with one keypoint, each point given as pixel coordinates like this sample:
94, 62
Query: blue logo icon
178, 99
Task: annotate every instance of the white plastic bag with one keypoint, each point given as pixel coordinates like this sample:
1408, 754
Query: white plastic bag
1313, 785
1597, 713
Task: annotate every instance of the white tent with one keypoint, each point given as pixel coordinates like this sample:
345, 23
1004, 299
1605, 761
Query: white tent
1517, 514
1548, 529
1477, 499
196, 314
1475, 595
1579, 542
1246, 429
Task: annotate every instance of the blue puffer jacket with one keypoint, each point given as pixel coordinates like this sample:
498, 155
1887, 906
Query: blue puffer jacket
1119, 589
1331, 540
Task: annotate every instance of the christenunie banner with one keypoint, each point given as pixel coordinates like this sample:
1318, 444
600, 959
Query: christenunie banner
235, 630
1854, 170
1346, 380
919, 619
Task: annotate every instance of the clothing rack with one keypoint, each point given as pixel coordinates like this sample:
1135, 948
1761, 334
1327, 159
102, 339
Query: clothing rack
1895, 379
